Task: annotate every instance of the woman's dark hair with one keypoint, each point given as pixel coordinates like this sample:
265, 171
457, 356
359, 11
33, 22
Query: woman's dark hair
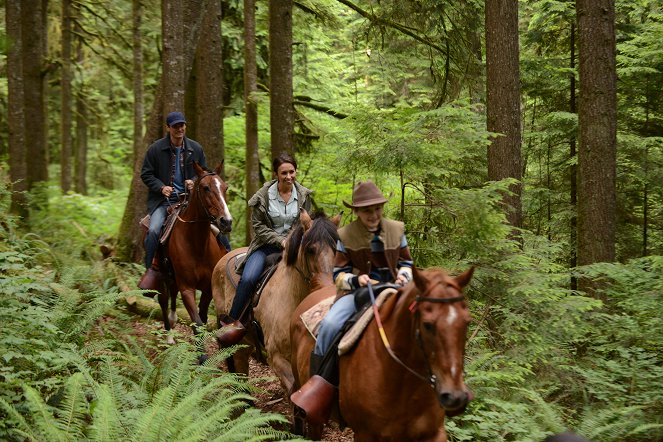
282, 159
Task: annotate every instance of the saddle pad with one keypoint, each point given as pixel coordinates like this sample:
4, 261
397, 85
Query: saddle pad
352, 336
313, 316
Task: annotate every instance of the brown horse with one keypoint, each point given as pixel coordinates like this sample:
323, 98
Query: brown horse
401, 388
193, 251
307, 263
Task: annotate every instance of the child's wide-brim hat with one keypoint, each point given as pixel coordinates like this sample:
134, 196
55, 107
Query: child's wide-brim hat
365, 194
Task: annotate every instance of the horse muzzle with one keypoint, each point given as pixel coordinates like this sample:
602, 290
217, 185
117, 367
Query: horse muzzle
224, 225
455, 402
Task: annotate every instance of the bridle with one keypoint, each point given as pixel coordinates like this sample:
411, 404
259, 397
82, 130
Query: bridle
431, 379
200, 200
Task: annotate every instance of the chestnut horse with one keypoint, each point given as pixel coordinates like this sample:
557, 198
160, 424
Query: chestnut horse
193, 251
307, 263
400, 387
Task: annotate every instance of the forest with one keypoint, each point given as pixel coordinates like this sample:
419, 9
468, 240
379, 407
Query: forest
522, 138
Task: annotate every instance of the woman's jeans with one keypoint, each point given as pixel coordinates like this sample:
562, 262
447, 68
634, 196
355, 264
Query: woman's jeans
255, 264
157, 218
333, 321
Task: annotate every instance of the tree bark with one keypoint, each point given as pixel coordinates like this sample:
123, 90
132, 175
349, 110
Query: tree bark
597, 117
34, 82
65, 100
139, 106
503, 100
172, 20
209, 85
251, 109
16, 116
282, 112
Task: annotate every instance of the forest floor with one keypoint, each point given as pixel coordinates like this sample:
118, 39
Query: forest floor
270, 397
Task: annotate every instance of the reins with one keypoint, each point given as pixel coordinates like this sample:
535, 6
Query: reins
431, 379
209, 217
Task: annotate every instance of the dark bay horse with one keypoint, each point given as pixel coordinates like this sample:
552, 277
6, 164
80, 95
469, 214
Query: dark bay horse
307, 263
400, 391
193, 250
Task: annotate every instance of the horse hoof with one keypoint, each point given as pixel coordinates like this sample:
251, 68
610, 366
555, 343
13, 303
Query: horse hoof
172, 318
202, 359
170, 340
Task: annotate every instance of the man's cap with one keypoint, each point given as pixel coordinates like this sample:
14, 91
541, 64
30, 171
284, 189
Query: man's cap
175, 118
365, 194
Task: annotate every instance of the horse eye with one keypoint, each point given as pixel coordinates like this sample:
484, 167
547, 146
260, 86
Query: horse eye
428, 326
207, 189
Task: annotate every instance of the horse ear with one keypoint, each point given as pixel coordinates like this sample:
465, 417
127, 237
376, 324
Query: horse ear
199, 170
419, 279
337, 219
464, 278
219, 168
305, 219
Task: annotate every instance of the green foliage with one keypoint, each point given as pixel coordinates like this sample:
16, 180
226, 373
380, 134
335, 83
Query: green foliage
66, 374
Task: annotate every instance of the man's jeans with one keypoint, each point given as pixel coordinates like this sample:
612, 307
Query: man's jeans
157, 218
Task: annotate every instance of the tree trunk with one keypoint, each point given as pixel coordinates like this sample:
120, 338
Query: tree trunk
573, 170
80, 163
65, 100
139, 106
209, 85
598, 133
172, 19
282, 112
34, 82
251, 109
16, 116
503, 100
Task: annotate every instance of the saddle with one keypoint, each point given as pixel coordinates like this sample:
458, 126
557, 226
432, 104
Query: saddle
357, 323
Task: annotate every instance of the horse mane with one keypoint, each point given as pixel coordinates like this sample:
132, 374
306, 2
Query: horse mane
323, 230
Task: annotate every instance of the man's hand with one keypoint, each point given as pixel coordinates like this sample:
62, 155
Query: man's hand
401, 280
364, 279
188, 184
166, 191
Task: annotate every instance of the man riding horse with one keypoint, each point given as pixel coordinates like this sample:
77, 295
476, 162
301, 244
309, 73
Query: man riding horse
168, 173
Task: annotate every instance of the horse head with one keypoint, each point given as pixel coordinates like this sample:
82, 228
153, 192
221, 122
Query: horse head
311, 245
210, 190
441, 320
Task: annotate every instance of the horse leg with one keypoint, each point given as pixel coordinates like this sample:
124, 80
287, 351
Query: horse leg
189, 299
203, 306
168, 320
283, 369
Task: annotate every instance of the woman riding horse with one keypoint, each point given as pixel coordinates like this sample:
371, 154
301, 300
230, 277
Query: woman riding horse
276, 207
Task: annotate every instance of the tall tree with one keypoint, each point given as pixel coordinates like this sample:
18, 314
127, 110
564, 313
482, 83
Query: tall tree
597, 153
80, 143
137, 46
251, 109
16, 115
208, 66
282, 112
65, 99
172, 20
34, 82
503, 100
